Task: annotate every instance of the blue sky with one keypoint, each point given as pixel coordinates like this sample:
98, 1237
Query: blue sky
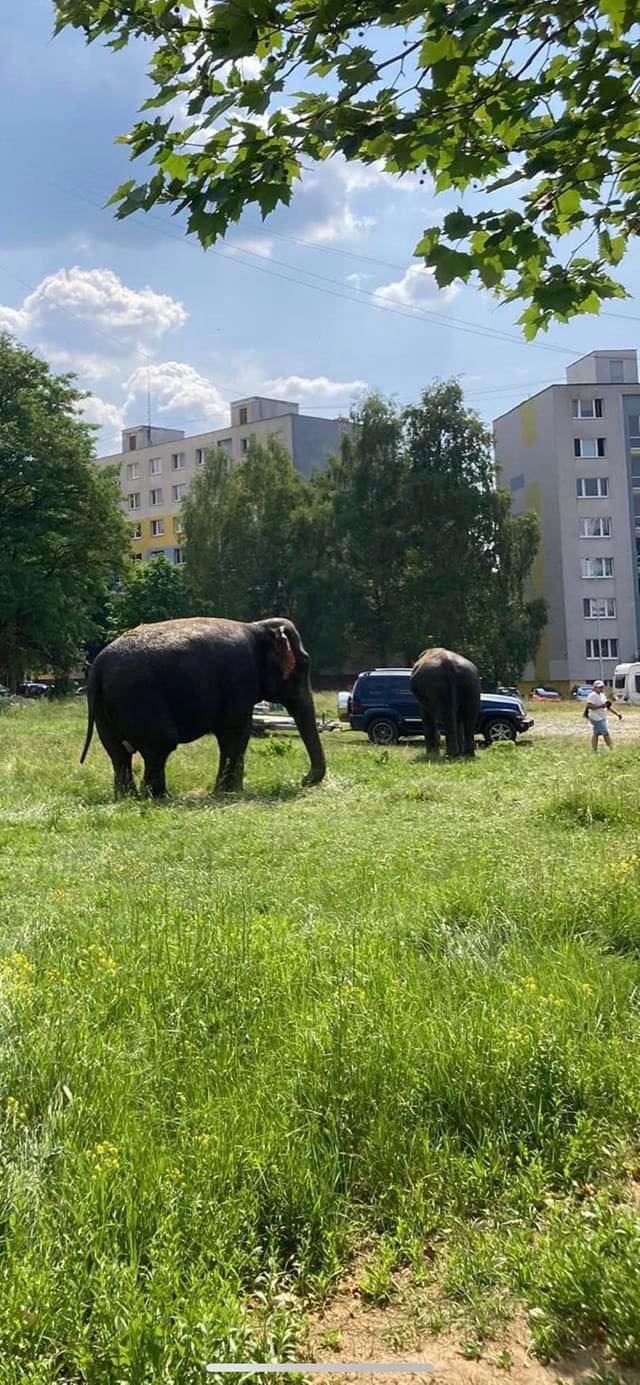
277, 308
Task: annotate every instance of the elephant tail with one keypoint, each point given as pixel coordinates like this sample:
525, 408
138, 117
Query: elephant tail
91, 705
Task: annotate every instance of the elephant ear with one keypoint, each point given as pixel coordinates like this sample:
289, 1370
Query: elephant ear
284, 653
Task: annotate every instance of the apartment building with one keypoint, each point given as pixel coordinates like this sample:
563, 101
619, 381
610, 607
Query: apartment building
572, 454
157, 465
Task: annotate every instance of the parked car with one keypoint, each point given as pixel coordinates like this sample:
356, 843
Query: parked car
383, 705
33, 689
581, 691
4, 692
545, 695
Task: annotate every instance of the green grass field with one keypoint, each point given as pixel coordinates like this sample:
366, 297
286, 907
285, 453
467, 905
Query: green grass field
395, 1017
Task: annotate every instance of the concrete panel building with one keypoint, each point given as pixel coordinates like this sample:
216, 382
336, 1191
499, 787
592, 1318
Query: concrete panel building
157, 465
572, 454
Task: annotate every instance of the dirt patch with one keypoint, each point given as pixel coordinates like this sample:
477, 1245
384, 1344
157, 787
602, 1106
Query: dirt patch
349, 1330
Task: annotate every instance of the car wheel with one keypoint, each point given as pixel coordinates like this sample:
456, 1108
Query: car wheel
500, 729
383, 731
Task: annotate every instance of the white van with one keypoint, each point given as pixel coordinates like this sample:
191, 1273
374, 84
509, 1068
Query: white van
626, 683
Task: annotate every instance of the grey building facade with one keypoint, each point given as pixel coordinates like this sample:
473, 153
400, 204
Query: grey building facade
572, 454
157, 465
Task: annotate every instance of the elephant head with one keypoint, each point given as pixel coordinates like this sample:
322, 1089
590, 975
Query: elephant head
285, 678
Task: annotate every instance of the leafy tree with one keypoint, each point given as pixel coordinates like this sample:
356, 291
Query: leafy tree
369, 494
482, 94
509, 625
150, 591
62, 534
242, 533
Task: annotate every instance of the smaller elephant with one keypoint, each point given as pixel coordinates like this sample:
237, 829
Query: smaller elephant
447, 688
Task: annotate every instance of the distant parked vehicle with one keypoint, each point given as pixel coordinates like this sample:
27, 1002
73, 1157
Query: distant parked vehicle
4, 692
383, 705
33, 689
581, 691
626, 683
545, 695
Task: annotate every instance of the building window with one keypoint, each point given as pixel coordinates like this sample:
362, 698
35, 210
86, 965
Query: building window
226, 444
178, 555
133, 471
586, 408
157, 528
177, 461
132, 444
137, 557
599, 528
599, 607
156, 553
155, 496
201, 453
616, 372
136, 531
589, 447
601, 649
179, 492
244, 446
155, 466
134, 500
517, 482
596, 567
592, 487
242, 416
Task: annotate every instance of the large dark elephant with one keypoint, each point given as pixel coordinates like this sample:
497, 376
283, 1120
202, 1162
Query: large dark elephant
160, 685
447, 687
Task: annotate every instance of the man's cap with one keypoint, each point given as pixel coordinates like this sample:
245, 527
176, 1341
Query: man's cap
598, 683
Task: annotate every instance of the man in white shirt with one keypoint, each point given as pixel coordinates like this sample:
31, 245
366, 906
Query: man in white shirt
596, 711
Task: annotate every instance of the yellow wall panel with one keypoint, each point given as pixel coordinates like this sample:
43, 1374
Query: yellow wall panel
528, 423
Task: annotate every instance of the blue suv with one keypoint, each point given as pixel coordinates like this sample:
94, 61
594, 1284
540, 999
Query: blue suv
382, 704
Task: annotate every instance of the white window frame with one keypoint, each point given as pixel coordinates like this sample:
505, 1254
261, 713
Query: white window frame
201, 453
244, 446
599, 494
136, 530
178, 555
182, 487
156, 496
579, 445
596, 645
580, 408
157, 528
133, 471
596, 576
157, 553
595, 520
178, 461
134, 500
155, 466
608, 602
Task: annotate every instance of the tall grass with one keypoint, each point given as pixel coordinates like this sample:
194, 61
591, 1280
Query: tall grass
242, 1039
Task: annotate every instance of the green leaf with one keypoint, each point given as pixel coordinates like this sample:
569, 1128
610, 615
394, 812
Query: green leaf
615, 12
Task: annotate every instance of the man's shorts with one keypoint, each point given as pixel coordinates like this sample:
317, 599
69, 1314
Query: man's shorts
599, 727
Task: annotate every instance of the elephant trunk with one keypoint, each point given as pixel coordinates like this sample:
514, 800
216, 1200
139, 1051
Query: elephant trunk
304, 715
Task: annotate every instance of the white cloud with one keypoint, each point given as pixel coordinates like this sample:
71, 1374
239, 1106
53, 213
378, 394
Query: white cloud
100, 299
342, 224
357, 279
318, 387
416, 287
359, 177
254, 245
97, 410
175, 385
13, 320
89, 366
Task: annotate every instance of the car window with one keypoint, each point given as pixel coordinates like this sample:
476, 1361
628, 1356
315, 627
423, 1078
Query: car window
376, 690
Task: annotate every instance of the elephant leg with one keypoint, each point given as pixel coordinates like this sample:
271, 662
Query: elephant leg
121, 759
469, 740
451, 737
154, 782
431, 733
123, 780
233, 744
